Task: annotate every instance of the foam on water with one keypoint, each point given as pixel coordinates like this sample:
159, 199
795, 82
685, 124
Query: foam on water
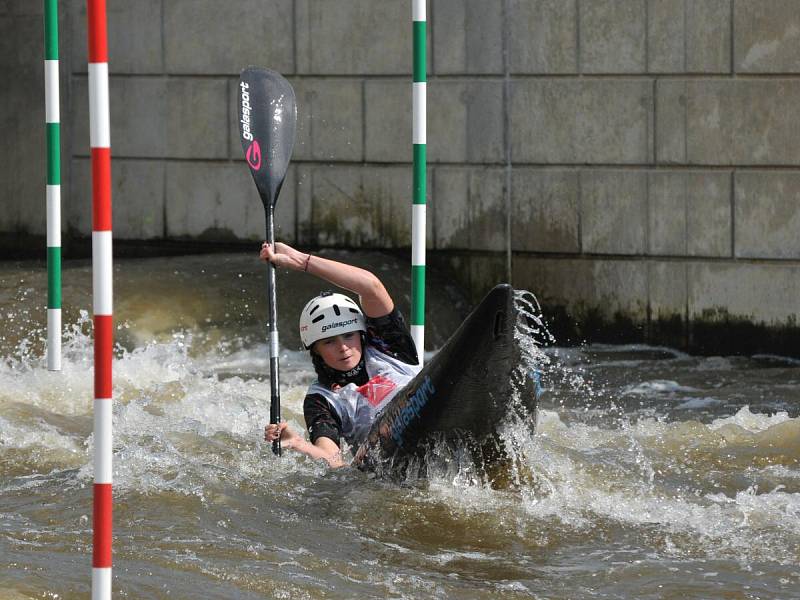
658, 386
695, 403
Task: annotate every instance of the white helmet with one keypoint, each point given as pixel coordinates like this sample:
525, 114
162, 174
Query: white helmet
327, 315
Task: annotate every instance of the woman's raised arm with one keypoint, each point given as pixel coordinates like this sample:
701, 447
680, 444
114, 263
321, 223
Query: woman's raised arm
375, 300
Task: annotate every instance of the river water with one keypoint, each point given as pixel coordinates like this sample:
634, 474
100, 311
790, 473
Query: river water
651, 474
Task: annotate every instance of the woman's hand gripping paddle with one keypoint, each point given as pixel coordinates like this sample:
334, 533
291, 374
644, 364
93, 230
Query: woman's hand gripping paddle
267, 119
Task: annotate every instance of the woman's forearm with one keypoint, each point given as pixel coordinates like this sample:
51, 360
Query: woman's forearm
375, 300
332, 457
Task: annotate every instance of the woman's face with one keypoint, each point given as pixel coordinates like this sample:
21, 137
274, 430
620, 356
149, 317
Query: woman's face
340, 352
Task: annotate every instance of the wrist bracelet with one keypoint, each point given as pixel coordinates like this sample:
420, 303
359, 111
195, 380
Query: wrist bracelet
308, 259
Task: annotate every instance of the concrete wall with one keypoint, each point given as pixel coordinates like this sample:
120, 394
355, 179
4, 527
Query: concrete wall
636, 163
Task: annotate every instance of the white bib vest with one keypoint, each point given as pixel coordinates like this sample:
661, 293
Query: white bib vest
356, 406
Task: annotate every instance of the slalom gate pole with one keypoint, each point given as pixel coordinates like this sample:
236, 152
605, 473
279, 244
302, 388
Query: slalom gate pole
53, 191
418, 215
100, 139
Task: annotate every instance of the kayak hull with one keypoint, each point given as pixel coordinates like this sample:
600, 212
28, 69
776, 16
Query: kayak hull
466, 390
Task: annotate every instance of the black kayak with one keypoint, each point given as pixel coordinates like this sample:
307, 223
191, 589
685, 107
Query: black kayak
466, 391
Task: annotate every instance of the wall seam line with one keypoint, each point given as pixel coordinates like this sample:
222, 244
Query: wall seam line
733, 213
685, 38
578, 62
507, 136
732, 61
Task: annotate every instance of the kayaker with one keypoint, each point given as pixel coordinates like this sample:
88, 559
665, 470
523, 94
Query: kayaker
362, 359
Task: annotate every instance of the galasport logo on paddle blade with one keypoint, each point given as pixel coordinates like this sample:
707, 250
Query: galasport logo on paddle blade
246, 109
253, 152
253, 155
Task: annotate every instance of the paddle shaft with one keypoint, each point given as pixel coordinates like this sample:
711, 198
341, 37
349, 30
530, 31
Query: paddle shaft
274, 384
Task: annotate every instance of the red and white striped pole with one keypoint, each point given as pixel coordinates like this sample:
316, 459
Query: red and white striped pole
100, 136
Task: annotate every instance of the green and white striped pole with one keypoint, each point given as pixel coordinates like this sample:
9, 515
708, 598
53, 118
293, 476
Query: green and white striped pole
420, 162
53, 128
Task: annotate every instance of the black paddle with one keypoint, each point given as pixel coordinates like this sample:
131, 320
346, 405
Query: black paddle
267, 118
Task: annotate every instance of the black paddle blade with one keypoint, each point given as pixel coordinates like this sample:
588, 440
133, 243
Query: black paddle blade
267, 121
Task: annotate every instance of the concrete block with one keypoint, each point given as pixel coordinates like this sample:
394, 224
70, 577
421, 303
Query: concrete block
469, 36
543, 36
620, 288
767, 36
689, 37
354, 206
330, 124
137, 199
764, 293
198, 40
304, 177
134, 36
235, 151
708, 208
30, 194
76, 205
138, 116
544, 215
606, 288
666, 36
353, 37
488, 212
671, 115
219, 202
286, 209
750, 122
667, 289
612, 36
13, 8
471, 273
582, 121
391, 189
555, 282
9, 216
29, 178
466, 123
22, 153
468, 126
708, 36
667, 213
387, 121
767, 214
469, 208
613, 211
197, 118
22, 44
689, 213
485, 272
451, 211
